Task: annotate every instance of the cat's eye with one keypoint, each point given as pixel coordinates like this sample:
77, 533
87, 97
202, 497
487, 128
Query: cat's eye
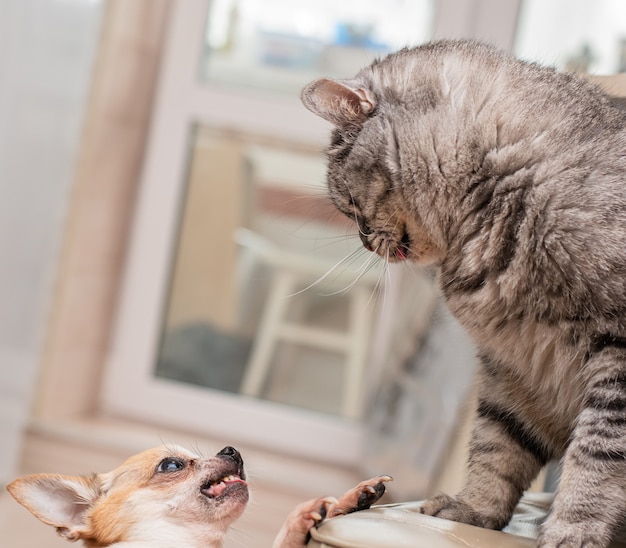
170, 464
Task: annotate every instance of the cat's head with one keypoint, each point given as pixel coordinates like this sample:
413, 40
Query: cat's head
365, 170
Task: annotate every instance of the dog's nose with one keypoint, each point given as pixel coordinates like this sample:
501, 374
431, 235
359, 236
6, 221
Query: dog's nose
232, 454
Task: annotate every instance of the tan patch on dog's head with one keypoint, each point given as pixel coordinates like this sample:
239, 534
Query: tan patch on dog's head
162, 491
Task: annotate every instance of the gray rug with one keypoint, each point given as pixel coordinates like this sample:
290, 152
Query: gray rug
202, 355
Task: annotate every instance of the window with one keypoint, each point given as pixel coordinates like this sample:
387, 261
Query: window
574, 35
233, 164
280, 45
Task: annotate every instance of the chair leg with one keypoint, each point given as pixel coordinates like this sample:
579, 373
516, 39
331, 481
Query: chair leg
259, 363
361, 311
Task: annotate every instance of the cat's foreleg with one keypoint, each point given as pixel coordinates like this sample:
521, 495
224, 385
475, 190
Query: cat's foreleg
505, 456
591, 499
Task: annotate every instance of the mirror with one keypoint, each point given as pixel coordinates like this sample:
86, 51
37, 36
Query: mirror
271, 294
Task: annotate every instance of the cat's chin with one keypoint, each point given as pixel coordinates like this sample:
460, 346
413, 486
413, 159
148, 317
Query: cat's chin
409, 255
399, 255
413, 258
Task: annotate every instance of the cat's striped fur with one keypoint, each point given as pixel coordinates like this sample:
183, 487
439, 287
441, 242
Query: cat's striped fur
512, 179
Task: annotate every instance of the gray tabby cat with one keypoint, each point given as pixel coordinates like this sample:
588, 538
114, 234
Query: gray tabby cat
511, 178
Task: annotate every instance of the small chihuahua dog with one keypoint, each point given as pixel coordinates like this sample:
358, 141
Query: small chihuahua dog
168, 497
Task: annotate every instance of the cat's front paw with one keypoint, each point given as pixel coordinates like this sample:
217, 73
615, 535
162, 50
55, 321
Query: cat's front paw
447, 507
574, 535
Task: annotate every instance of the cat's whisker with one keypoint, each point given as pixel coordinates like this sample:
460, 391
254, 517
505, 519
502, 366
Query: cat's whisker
350, 257
385, 278
380, 287
337, 237
370, 263
329, 241
356, 220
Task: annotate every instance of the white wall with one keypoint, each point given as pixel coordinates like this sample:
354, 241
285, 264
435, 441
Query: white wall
47, 49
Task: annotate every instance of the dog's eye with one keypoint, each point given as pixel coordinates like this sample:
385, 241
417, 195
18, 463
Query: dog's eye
170, 464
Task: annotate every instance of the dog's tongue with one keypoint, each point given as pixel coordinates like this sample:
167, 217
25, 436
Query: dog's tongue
217, 489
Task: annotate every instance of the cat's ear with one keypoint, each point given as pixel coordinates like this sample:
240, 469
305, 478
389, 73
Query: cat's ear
339, 102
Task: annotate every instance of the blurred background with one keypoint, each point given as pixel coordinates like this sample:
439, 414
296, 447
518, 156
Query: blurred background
171, 270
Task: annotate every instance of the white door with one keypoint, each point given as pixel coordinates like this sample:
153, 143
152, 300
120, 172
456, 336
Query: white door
46, 53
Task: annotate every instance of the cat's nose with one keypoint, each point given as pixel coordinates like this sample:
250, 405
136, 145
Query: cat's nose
365, 241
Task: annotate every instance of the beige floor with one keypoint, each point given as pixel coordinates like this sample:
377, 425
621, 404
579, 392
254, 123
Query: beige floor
18, 528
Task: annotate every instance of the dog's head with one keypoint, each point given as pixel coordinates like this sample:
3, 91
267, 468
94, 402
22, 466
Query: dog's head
163, 493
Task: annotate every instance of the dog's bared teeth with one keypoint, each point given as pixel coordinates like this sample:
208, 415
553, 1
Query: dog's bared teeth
216, 488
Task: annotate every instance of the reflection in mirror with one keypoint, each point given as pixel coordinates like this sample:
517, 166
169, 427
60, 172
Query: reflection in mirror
270, 294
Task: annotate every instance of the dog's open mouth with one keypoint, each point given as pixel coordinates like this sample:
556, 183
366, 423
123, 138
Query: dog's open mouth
214, 489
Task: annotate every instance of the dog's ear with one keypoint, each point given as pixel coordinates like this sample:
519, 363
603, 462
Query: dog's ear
60, 501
